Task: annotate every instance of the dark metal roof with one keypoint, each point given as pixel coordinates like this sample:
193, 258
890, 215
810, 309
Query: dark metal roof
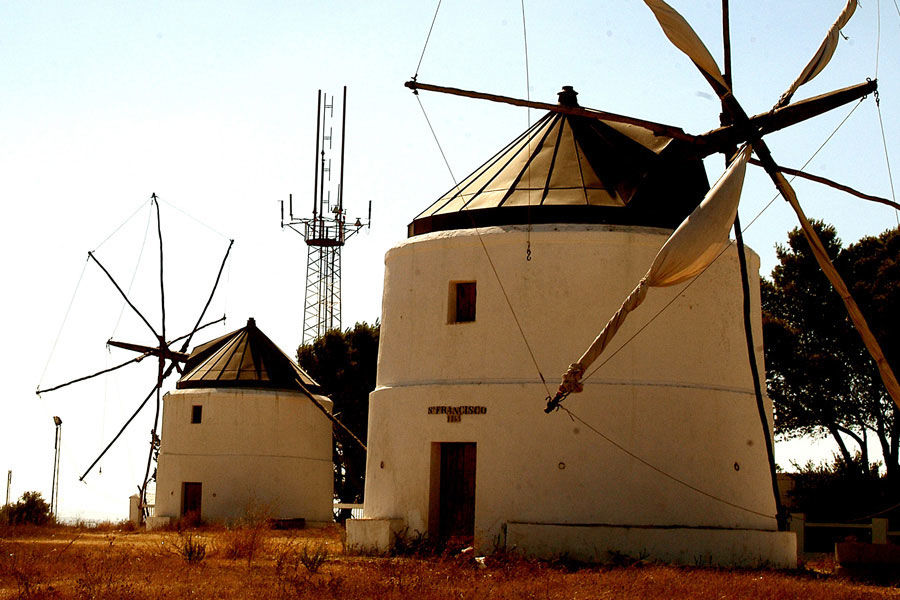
245, 358
572, 169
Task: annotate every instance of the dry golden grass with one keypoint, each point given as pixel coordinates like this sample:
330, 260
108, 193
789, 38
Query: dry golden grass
76, 563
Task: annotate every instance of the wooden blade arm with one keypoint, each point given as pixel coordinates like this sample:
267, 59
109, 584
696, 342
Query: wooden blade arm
39, 391
150, 350
856, 317
718, 140
831, 183
197, 326
577, 111
127, 423
162, 287
133, 307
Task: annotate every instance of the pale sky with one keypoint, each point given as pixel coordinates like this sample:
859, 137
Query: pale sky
211, 105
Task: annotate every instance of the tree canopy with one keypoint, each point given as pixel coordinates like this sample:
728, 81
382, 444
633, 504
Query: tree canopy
344, 364
818, 373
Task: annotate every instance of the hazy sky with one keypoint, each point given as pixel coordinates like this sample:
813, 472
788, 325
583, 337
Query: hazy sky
211, 105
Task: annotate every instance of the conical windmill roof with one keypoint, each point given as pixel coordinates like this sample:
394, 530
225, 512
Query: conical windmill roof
245, 358
574, 169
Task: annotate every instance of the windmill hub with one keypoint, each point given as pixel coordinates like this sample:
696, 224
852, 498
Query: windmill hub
568, 96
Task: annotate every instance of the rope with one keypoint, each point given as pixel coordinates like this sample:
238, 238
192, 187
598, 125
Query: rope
887, 158
63, 324
121, 225
528, 112
653, 467
193, 218
486, 253
427, 37
877, 36
133, 275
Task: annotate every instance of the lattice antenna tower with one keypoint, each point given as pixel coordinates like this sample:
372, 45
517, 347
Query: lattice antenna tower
326, 232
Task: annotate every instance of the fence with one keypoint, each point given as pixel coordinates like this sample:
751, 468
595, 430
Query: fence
356, 510
876, 532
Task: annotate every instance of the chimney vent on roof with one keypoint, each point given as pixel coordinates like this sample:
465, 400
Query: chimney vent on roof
251, 322
568, 96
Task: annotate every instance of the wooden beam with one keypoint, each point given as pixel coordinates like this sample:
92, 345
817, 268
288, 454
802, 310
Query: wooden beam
819, 253
163, 352
658, 128
722, 138
829, 182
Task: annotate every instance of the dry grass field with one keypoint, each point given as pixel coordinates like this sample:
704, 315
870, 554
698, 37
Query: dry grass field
256, 562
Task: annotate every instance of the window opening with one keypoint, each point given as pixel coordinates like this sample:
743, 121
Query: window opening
462, 301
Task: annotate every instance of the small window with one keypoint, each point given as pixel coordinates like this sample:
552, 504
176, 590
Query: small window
462, 302
196, 413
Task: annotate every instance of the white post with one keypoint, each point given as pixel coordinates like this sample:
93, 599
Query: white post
798, 526
134, 509
879, 531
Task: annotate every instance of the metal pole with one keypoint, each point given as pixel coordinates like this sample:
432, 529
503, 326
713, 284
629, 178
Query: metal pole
55, 482
56, 479
343, 138
8, 485
316, 157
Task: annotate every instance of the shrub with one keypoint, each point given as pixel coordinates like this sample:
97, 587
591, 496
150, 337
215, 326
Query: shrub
247, 537
31, 509
190, 548
315, 558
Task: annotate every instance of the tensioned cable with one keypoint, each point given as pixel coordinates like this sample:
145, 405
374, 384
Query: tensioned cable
887, 158
116, 230
193, 218
877, 36
427, 37
528, 97
65, 318
660, 471
137, 265
486, 253
725, 249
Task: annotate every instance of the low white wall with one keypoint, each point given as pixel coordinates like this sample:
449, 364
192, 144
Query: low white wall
253, 450
693, 547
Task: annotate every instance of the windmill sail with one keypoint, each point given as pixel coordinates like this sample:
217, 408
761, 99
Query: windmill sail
678, 30
823, 54
692, 247
685, 39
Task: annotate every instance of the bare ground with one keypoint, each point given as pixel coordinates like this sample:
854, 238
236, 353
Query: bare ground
255, 562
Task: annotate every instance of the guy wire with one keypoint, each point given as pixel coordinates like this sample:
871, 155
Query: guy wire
485, 250
528, 97
660, 471
427, 37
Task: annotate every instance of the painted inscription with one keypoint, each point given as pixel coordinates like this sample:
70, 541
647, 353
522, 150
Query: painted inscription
455, 413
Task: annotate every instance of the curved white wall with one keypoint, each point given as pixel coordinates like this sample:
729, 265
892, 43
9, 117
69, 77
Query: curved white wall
271, 448
679, 396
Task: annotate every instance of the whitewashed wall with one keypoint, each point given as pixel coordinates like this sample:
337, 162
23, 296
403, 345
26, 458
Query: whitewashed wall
269, 449
680, 395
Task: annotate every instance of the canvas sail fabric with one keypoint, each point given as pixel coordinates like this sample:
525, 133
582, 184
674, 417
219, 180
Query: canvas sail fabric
688, 251
823, 54
685, 39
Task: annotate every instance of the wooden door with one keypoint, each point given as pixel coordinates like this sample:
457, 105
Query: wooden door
457, 490
191, 495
